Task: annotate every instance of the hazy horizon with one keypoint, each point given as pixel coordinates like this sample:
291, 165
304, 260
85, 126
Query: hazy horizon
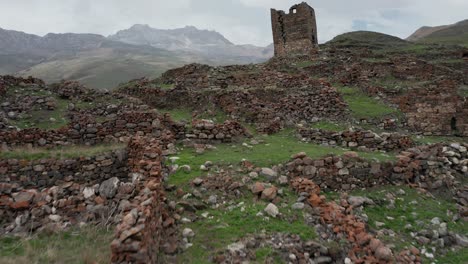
240, 21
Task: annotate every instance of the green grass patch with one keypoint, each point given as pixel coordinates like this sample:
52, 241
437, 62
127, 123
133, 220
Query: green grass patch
43, 118
262, 254
304, 64
87, 245
224, 226
363, 106
454, 257
179, 114
410, 208
216, 115
165, 86
463, 90
330, 126
438, 139
66, 152
276, 149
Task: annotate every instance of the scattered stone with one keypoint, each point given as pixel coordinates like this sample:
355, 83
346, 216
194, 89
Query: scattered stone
258, 188
185, 168
187, 233
283, 180
384, 253
236, 247
198, 181
269, 173
272, 210
88, 192
357, 201
269, 193
298, 206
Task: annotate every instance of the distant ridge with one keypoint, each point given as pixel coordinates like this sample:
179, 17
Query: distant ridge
449, 34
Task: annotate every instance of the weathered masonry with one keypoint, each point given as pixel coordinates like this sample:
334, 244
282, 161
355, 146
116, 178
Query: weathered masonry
294, 33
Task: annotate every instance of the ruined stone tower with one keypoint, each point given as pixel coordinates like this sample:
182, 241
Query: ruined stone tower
295, 34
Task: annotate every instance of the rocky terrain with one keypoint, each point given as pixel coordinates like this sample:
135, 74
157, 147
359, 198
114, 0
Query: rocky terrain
357, 155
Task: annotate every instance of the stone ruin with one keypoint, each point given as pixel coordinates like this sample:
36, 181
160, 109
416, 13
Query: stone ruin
294, 33
465, 55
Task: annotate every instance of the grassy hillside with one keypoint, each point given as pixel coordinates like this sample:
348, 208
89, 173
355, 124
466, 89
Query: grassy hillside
456, 34
367, 38
105, 68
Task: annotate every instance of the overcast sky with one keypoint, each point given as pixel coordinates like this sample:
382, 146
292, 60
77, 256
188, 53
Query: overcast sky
241, 21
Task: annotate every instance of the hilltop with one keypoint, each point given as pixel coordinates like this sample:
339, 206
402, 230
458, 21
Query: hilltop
366, 38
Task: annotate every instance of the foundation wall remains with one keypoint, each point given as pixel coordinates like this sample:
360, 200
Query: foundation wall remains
146, 224
436, 110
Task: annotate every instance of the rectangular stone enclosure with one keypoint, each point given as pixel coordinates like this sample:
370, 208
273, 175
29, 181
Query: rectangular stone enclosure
295, 34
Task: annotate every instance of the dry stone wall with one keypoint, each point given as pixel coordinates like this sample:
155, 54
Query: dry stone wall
146, 224
16, 174
359, 139
88, 131
334, 173
436, 110
206, 131
55, 194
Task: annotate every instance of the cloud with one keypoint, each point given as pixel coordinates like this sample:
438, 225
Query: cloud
241, 21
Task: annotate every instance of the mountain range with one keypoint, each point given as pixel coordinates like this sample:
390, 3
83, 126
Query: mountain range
104, 62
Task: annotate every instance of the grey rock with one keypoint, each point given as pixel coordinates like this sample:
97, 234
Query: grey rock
109, 187
357, 201
298, 206
271, 210
461, 240
187, 232
213, 199
269, 173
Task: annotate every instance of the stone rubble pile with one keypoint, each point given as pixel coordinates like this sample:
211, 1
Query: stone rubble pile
7, 81
22, 104
73, 90
365, 247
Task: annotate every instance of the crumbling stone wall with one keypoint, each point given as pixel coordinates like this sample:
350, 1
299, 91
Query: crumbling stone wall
197, 76
88, 131
19, 174
206, 131
359, 139
294, 33
53, 194
436, 110
146, 224
335, 173
12, 81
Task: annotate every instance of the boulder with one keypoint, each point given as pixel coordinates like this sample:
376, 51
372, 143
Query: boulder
109, 187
